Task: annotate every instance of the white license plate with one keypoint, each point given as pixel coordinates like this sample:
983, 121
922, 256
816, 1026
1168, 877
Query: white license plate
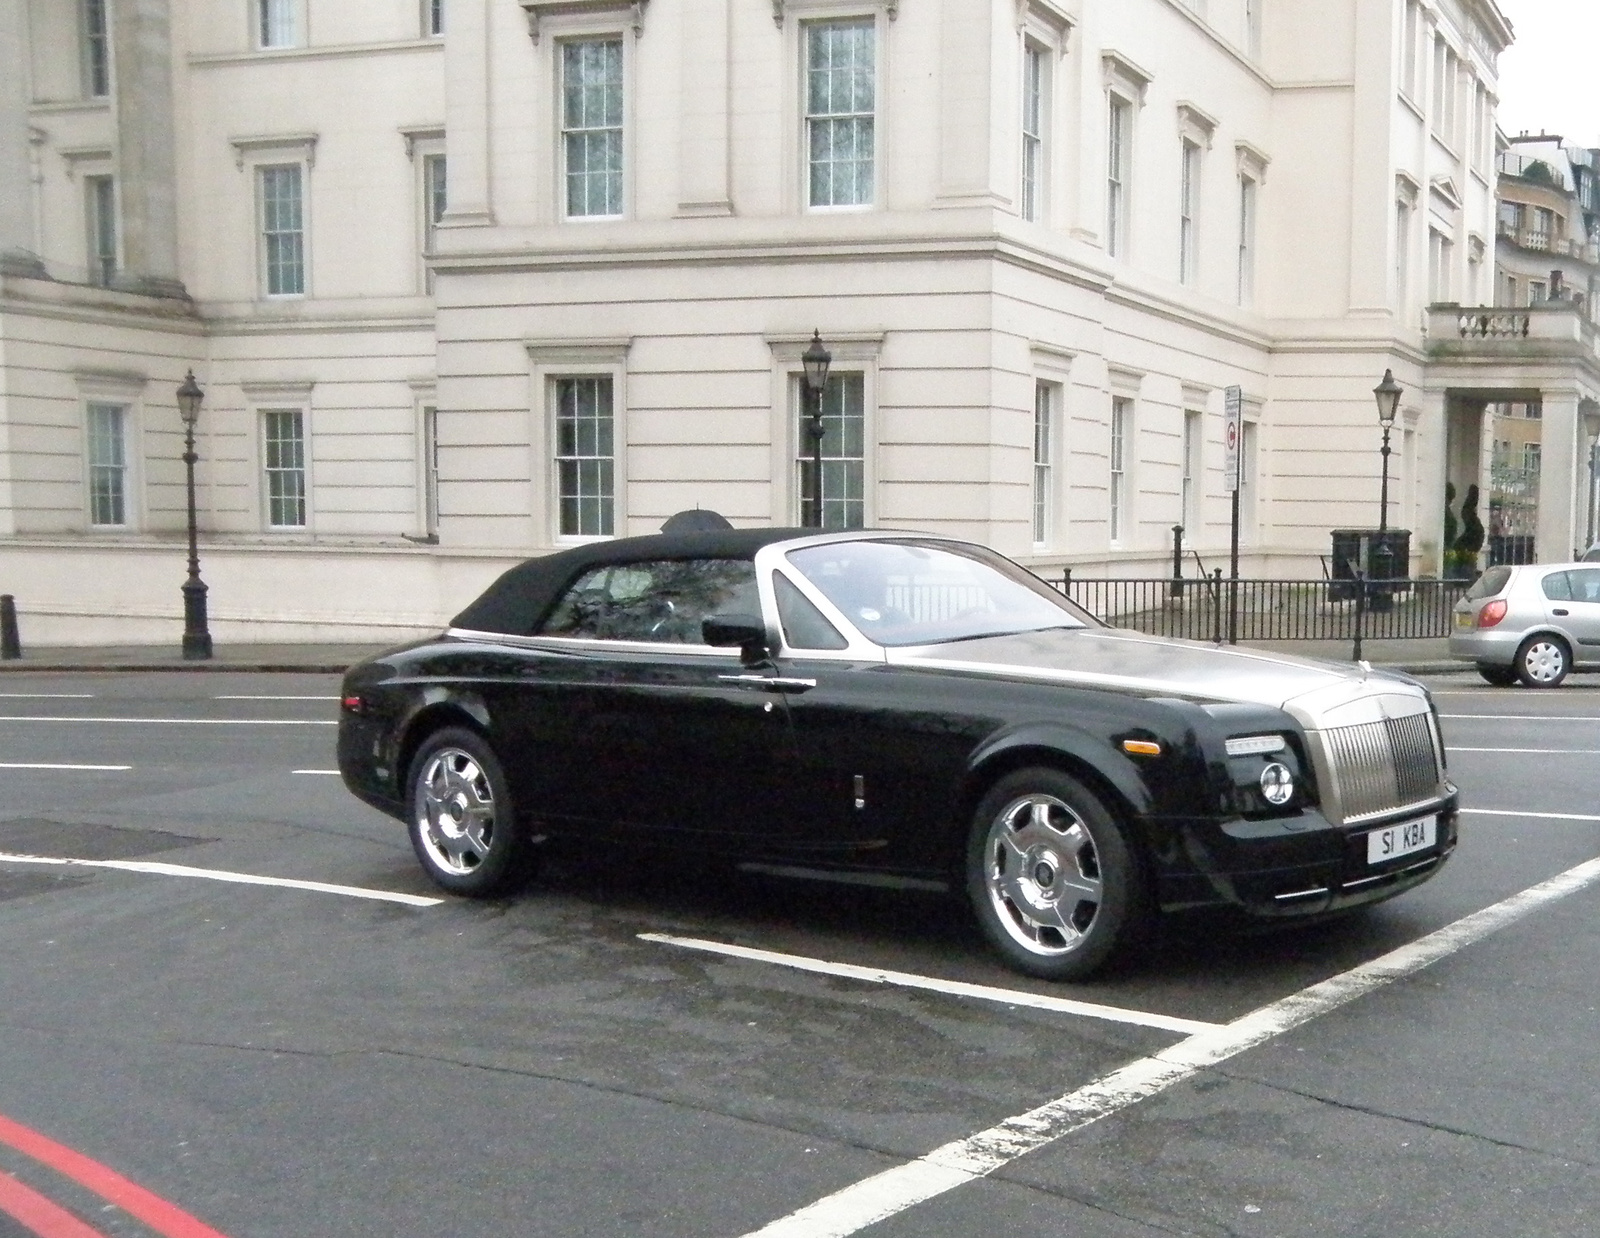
1463, 620
1394, 841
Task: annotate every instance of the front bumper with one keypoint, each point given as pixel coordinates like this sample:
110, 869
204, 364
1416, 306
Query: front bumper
1294, 868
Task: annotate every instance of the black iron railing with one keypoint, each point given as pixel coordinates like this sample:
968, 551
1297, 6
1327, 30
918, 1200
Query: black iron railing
1212, 608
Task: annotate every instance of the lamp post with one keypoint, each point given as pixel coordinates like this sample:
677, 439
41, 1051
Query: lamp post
816, 360
1387, 393
196, 636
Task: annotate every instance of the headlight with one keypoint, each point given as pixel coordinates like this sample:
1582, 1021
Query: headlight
1277, 784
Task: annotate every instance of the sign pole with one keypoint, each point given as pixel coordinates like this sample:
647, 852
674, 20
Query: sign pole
1235, 406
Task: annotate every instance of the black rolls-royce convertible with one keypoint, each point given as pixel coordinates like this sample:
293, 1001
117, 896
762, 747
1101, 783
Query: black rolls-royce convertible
880, 703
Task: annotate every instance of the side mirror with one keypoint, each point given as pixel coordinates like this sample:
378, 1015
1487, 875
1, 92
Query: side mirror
747, 632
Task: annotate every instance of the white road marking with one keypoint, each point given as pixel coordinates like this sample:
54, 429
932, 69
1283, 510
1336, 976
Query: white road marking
957, 988
274, 698
48, 765
315, 771
1542, 752
217, 874
182, 721
894, 1190
1519, 718
47, 696
1513, 812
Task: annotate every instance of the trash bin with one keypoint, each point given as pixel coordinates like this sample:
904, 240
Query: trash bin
1346, 558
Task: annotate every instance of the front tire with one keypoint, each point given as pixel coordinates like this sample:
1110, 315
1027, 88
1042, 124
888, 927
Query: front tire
1498, 676
1543, 661
461, 818
1053, 880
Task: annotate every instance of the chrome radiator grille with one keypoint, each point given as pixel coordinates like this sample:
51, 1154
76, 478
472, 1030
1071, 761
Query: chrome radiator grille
1381, 766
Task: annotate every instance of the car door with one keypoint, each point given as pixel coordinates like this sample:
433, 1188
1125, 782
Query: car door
880, 752
1581, 615
654, 731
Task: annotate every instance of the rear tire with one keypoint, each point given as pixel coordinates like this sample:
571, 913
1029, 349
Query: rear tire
1499, 676
1543, 661
462, 821
1055, 883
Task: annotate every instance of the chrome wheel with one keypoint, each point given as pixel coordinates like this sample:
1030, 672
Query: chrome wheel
455, 810
1542, 662
1042, 874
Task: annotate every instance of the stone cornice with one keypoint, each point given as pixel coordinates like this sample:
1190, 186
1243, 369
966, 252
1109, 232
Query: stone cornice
345, 51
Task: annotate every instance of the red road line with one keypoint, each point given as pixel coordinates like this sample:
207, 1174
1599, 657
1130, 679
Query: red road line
38, 1214
166, 1219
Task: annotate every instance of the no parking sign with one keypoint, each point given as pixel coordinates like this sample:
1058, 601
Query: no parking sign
1230, 438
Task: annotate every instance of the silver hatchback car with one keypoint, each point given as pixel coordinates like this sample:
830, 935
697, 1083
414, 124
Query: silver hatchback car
1533, 623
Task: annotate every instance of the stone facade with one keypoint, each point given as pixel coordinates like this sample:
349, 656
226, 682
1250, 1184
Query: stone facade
1039, 237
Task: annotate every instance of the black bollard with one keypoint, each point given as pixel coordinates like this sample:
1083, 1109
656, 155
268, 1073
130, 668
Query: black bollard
10, 642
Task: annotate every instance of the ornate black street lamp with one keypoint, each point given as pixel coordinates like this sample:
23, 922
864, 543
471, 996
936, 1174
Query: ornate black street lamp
196, 636
816, 360
1387, 393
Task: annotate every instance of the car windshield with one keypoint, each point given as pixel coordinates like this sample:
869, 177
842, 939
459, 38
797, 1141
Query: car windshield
1489, 584
906, 592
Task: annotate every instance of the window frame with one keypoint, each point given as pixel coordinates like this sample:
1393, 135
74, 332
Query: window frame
1047, 403
260, 19
124, 391
557, 495
259, 171
600, 34
549, 361
94, 48
1122, 427
433, 174
1191, 178
302, 412
1034, 168
99, 217
123, 409
432, 15
1191, 471
869, 18
1119, 161
852, 352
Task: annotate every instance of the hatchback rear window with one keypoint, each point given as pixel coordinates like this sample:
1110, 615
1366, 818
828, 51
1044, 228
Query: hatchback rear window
1489, 584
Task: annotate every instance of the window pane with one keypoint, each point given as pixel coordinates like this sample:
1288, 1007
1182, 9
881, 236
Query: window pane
1032, 131
841, 92
96, 49
591, 126
585, 463
283, 230
283, 441
107, 464
1041, 463
100, 202
658, 600
1116, 175
277, 23
843, 453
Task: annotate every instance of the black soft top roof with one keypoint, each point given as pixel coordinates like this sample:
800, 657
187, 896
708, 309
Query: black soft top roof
517, 602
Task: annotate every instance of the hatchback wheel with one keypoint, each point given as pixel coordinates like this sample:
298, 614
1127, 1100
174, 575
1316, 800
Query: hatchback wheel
1499, 676
1543, 661
1052, 878
462, 822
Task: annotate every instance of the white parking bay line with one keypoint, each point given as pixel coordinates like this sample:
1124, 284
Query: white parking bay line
217, 874
274, 698
179, 721
1519, 718
956, 988
47, 696
1538, 752
895, 1190
1515, 812
315, 771
52, 765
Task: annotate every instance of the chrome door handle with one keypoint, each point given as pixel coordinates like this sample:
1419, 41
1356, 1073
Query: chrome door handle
770, 683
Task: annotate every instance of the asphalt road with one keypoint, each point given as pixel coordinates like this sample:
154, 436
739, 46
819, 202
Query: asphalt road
282, 1061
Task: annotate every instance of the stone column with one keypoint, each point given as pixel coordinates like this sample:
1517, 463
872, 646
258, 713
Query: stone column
147, 166
966, 105
1563, 477
703, 109
467, 87
16, 174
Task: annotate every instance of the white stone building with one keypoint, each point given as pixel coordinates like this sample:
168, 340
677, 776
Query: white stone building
1040, 238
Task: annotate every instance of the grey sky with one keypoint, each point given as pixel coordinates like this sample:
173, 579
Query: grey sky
1547, 77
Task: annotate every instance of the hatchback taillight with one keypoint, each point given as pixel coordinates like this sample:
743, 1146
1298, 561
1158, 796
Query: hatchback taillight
1492, 613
